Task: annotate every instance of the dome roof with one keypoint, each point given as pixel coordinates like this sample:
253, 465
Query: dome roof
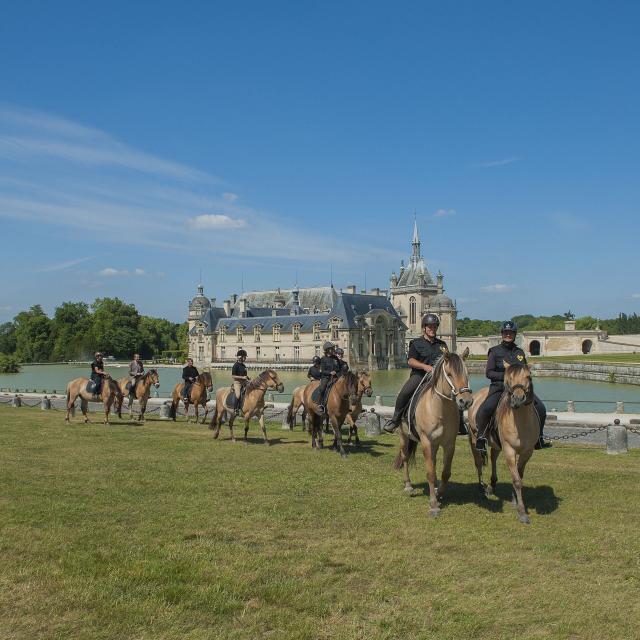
440, 300
200, 299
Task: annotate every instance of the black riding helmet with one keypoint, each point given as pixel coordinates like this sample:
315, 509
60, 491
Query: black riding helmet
430, 318
241, 352
339, 351
327, 346
316, 360
509, 325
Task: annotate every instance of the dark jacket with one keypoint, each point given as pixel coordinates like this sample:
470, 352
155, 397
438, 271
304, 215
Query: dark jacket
505, 351
343, 367
328, 364
239, 369
189, 372
313, 373
96, 377
426, 352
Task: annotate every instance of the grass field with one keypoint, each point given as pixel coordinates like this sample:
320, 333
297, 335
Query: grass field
159, 532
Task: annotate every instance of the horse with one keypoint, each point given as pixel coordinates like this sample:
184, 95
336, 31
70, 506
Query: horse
297, 401
197, 396
142, 392
78, 388
437, 418
364, 387
252, 405
342, 400
518, 426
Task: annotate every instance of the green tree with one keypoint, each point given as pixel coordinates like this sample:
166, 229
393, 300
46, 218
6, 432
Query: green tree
9, 364
71, 327
114, 327
7, 337
33, 335
182, 338
156, 335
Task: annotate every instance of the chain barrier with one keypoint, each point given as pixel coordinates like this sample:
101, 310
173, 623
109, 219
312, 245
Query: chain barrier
633, 430
581, 434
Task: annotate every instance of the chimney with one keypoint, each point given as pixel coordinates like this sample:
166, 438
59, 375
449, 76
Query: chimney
243, 307
226, 305
213, 302
351, 288
375, 291
440, 278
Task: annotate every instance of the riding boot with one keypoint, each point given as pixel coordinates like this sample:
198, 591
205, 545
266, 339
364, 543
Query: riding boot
391, 424
462, 427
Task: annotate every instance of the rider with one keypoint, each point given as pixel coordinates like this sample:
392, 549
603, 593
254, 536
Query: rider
97, 373
343, 367
507, 351
424, 352
314, 370
136, 370
328, 372
189, 375
240, 377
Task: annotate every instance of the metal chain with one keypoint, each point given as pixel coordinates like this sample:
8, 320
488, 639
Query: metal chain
636, 431
581, 434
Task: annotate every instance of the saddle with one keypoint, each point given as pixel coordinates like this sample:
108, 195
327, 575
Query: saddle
316, 396
230, 402
491, 434
93, 388
131, 387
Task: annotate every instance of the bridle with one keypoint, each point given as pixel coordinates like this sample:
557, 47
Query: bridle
528, 391
455, 391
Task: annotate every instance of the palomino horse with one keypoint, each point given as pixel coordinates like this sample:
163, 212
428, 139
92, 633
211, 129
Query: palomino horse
197, 396
343, 400
142, 393
518, 430
297, 401
252, 405
364, 387
109, 393
437, 418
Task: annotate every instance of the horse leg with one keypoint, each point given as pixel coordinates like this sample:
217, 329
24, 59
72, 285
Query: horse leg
264, 429
107, 408
338, 437
232, 417
195, 408
494, 471
319, 422
429, 453
404, 443
186, 410
517, 502
70, 403
143, 408
446, 468
206, 412
84, 407
245, 439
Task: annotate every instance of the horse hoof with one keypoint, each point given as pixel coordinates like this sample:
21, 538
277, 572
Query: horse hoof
488, 491
343, 454
434, 513
245, 442
409, 489
524, 519
267, 443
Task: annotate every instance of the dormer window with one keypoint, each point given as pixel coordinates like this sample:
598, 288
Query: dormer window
296, 332
257, 333
276, 332
316, 331
240, 333
222, 332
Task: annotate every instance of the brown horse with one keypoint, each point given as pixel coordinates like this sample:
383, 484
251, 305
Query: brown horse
142, 393
252, 405
197, 397
297, 401
109, 393
518, 430
437, 418
364, 387
343, 399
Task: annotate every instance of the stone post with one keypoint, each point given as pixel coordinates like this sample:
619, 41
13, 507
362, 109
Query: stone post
16, 401
617, 439
378, 400
571, 407
619, 406
45, 403
372, 426
269, 397
165, 411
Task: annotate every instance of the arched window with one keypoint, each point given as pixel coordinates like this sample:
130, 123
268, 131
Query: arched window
240, 333
534, 347
257, 332
296, 332
587, 345
412, 310
276, 332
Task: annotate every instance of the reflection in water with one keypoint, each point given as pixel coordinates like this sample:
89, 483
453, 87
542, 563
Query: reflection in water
589, 396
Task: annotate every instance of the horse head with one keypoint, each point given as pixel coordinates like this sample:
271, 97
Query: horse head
272, 381
350, 381
518, 384
454, 371
364, 384
207, 380
154, 378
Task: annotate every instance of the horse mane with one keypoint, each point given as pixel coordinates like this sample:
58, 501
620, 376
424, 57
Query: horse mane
457, 368
351, 380
255, 382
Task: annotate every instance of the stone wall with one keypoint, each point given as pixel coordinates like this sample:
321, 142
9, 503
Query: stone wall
624, 374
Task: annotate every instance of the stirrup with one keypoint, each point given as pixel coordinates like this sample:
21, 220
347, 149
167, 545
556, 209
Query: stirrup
320, 408
390, 426
481, 444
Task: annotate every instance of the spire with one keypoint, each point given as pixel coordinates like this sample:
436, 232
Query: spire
415, 243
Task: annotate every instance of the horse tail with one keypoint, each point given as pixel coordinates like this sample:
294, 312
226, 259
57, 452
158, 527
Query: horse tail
410, 455
68, 394
172, 410
290, 415
214, 419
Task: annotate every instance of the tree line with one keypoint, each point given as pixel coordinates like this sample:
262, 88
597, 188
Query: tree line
77, 330
623, 324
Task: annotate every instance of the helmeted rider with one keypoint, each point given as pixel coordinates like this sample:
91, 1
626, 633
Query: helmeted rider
343, 367
506, 351
424, 352
314, 370
328, 372
136, 371
240, 377
189, 375
97, 372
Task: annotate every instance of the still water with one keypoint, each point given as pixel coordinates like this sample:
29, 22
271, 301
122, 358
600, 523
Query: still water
589, 396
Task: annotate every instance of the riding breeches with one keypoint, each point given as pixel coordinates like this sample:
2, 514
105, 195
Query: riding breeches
488, 408
186, 391
405, 395
237, 390
324, 383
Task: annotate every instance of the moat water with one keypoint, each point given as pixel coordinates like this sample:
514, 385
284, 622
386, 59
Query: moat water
588, 396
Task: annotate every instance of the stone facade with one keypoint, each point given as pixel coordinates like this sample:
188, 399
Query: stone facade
414, 293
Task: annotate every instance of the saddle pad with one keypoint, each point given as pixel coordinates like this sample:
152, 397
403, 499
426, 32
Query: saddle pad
91, 387
316, 397
231, 399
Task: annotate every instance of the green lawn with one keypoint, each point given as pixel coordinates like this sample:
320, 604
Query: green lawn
160, 532
608, 358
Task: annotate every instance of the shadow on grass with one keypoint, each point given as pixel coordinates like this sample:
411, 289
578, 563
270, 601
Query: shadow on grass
258, 439
541, 499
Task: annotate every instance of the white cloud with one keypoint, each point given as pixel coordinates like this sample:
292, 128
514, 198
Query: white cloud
496, 163
62, 265
216, 221
109, 272
443, 213
230, 197
139, 272
635, 295
498, 288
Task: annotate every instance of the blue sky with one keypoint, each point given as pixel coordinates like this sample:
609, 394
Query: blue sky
260, 142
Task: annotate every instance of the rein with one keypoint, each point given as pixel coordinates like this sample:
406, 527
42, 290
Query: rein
454, 392
528, 392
